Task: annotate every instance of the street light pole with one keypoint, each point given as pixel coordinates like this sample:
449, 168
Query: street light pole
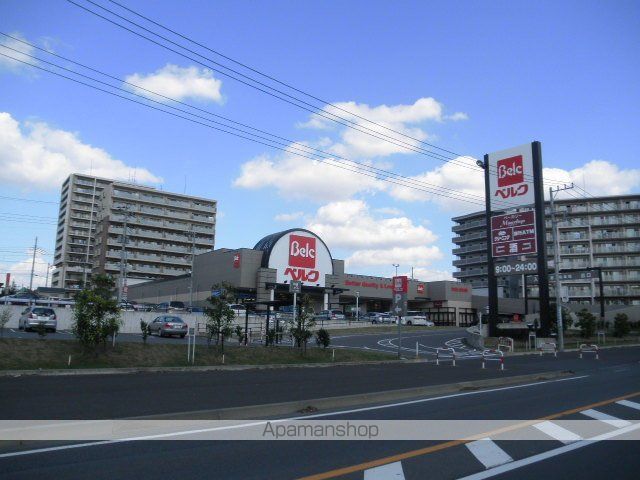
357, 306
396, 265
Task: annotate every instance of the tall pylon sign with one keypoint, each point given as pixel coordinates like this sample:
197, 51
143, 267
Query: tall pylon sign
515, 219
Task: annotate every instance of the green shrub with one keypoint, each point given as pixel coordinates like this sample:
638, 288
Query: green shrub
621, 325
586, 323
144, 328
323, 339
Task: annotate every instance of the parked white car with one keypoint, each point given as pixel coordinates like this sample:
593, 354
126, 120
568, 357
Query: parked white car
417, 318
31, 317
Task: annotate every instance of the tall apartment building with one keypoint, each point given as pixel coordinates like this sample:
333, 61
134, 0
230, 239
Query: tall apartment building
594, 232
163, 231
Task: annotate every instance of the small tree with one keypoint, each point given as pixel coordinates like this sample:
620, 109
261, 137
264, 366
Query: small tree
238, 331
220, 316
5, 316
304, 322
323, 339
566, 318
587, 323
96, 314
144, 328
621, 325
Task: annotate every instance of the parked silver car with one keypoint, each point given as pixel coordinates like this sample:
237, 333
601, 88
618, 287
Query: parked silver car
168, 325
31, 317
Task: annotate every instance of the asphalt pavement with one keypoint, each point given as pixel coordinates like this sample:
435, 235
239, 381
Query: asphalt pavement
597, 386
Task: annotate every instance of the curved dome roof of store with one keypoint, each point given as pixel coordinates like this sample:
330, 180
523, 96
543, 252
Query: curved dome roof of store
267, 243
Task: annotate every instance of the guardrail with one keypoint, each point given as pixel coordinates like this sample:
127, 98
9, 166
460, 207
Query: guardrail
452, 357
586, 348
548, 347
489, 356
506, 342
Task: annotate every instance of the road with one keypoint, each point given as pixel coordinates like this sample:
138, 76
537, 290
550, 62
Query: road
596, 385
375, 341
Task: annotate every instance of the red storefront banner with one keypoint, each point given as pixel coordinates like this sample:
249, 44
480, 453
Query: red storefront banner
513, 234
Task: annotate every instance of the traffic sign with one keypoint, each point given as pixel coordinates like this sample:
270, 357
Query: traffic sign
295, 286
513, 234
516, 267
399, 307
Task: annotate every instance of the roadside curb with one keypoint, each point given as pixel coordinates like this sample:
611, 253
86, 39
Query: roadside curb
203, 368
362, 399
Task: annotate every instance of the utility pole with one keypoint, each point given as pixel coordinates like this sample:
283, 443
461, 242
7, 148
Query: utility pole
556, 262
86, 262
33, 264
122, 292
46, 282
396, 265
193, 255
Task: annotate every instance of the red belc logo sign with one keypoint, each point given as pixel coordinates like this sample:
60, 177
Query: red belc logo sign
511, 177
302, 256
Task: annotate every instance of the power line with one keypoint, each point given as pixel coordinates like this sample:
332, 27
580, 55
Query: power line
316, 110
25, 199
430, 189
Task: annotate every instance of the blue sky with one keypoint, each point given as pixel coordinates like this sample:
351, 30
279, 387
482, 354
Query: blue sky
471, 77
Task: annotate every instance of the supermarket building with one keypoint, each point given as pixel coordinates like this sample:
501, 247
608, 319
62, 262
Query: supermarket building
262, 274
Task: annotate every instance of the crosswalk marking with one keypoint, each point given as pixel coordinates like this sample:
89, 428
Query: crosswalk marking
606, 418
391, 471
627, 403
488, 453
557, 432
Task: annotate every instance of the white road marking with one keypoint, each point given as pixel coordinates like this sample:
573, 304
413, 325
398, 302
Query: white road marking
557, 432
488, 453
390, 471
629, 404
301, 417
549, 454
606, 418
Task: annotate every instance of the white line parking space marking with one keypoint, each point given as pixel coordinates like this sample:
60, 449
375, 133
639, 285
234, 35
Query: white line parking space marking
557, 432
488, 453
302, 417
549, 454
391, 471
627, 403
606, 418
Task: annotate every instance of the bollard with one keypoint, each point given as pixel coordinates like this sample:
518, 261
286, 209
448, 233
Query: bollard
454, 358
333, 355
69, 362
417, 355
502, 363
437, 357
223, 358
483, 361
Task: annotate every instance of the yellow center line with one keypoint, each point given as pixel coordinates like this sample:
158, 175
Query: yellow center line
452, 443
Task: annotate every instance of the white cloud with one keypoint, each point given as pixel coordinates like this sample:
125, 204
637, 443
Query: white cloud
462, 175
373, 241
288, 217
598, 177
298, 177
458, 116
21, 271
419, 255
354, 144
35, 155
13, 65
179, 83
389, 211
428, 275
601, 178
